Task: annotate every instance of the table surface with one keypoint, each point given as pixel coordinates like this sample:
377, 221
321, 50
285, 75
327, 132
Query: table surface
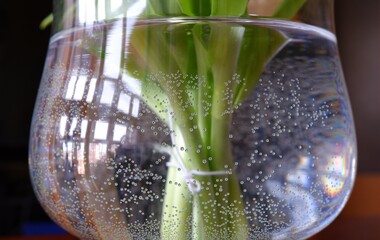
359, 220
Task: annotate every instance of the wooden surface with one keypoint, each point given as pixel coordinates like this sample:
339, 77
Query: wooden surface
360, 219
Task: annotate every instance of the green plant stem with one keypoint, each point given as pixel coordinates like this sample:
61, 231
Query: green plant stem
227, 61
200, 112
187, 137
228, 47
177, 208
216, 207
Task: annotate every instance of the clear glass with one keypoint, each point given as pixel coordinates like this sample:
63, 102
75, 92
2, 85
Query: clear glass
167, 126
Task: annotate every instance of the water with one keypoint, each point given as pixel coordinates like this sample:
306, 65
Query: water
174, 129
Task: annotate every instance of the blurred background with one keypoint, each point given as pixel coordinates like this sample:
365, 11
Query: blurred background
22, 53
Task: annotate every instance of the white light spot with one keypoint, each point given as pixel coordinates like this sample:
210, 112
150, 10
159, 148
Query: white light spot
101, 130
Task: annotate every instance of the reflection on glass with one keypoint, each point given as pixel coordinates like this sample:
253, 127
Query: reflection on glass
62, 126
83, 129
135, 107
119, 132
86, 10
98, 152
73, 125
113, 53
101, 130
91, 90
110, 131
107, 93
124, 103
80, 159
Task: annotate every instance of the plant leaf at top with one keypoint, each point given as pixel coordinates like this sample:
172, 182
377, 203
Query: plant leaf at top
195, 7
228, 8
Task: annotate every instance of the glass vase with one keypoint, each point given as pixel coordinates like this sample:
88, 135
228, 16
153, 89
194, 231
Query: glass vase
192, 120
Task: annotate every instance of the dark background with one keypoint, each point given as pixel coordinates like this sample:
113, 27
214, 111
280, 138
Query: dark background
22, 53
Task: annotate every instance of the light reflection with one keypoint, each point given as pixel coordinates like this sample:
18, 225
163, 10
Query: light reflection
91, 90
114, 51
124, 103
86, 11
68, 151
119, 132
338, 165
82, 11
76, 87
62, 126
70, 88
83, 128
74, 122
334, 180
101, 7
135, 107
136, 9
131, 84
107, 93
73, 125
300, 176
89, 12
81, 160
305, 162
101, 130
79, 87
304, 209
98, 151
115, 4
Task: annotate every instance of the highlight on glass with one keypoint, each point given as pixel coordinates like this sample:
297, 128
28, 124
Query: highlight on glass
188, 119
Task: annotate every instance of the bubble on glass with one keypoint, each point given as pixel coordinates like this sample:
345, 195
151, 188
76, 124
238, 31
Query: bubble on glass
113, 156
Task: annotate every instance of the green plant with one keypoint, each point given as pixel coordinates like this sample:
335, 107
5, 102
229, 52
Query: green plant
194, 82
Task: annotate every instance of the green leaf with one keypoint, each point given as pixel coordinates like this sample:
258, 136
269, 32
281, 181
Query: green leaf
164, 58
229, 7
163, 8
195, 7
200, 107
205, 86
258, 47
181, 46
47, 21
